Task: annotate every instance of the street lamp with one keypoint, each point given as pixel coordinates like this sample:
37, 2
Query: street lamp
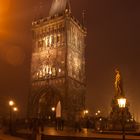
98, 111
122, 105
96, 114
85, 113
53, 109
53, 113
15, 109
11, 103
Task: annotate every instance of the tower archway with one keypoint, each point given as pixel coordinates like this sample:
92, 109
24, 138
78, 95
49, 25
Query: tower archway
45, 101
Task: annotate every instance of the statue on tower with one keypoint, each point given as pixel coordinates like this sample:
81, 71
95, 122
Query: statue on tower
115, 114
118, 83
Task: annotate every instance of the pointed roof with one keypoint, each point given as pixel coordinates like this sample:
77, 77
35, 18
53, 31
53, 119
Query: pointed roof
59, 6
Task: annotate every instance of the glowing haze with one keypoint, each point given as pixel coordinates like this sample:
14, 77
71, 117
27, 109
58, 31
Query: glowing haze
113, 42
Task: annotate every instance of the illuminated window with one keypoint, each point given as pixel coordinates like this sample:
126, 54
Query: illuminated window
46, 41
53, 72
50, 71
40, 74
47, 69
44, 71
37, 74
58, 38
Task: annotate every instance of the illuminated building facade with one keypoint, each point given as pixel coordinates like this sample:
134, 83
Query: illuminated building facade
58, 63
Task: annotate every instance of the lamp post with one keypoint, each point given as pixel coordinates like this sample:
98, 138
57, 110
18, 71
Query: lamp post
53, 109
11, 103
15, 109
53, 113
122, 105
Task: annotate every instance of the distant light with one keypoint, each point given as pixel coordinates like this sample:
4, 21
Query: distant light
15, 109
86, 111
96, 114
99, 111
59, 70
53, 108
11, 103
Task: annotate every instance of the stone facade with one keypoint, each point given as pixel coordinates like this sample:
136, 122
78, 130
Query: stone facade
57, 65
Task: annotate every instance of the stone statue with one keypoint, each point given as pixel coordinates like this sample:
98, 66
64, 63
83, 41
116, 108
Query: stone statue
118, 83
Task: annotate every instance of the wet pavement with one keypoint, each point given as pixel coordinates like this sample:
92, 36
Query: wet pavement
69, 134
85, 134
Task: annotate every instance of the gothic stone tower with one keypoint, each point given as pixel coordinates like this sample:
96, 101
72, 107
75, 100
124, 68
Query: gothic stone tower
58, 63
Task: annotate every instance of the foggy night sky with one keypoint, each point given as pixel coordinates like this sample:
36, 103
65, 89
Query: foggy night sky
113, 41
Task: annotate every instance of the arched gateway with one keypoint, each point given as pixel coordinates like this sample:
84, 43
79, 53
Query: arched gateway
58, 63
44, 101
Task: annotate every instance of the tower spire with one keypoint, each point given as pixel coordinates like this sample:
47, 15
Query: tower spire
59, 6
